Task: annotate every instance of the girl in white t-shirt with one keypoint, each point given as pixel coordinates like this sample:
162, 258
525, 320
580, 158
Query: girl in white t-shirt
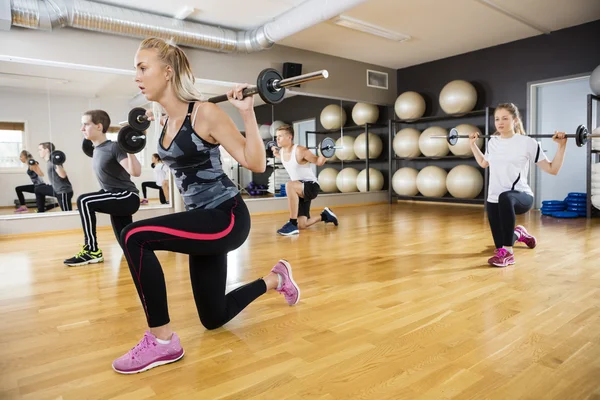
161, 182
509, 154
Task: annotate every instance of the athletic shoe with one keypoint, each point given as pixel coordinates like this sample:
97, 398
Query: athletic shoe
502, 258
288, 229
144, 201
328, 216
289, 288
22, 209
525, 237
147, 354
84, 257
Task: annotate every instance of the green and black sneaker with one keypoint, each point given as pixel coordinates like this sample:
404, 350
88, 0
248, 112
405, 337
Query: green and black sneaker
85, 256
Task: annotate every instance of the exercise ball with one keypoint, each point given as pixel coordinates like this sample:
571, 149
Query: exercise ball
375, 180
363, 113
595, 81
375, 146
458, 97
333, 117
275, 125
327, 180
346, 152
265, 131
346, 180
596, 140
406, 143
462, 147
410, 106
434, 147
404, 182
464, 182
333, 158
431, 181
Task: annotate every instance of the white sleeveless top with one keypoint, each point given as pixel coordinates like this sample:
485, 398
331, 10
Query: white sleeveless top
297, 172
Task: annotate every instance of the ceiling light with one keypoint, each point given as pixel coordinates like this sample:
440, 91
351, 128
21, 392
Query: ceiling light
365, 27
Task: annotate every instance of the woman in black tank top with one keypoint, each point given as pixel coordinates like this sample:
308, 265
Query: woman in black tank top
216, 220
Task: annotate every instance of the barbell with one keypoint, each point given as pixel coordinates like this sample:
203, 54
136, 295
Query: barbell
58, 157
581, 136
326, 147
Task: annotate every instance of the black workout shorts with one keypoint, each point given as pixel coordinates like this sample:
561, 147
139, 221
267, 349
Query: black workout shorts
311, 190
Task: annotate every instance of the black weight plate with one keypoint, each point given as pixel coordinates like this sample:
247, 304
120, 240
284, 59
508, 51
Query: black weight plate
58, 157
126, 140
88, 147
136, 113
453, 137
270, 143
327, 147
581, 136
264, 84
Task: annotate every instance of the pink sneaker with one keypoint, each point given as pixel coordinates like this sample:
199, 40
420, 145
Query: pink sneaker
144, 201
22, 209
289, 288
525, 237
502, 258
147, 354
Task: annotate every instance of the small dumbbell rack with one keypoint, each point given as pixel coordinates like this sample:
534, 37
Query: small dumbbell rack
421, 124
336, 133
593, 156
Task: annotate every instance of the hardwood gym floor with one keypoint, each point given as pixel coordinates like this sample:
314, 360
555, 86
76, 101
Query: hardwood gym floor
397, 303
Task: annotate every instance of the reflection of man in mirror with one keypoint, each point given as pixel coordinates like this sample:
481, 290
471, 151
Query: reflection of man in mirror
160, 182
118, 197
303, 186
59, 187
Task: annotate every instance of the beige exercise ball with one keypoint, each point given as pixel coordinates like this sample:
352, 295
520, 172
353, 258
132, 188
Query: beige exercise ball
275, 125
265, 131
404, 182
406, 143
333, 158
375, 180
333, 117
327, 180
363, 113
346, 152
410, 106
458, 97
462, 147
346, 180
431, 181
434, 147
375, 146
464, 182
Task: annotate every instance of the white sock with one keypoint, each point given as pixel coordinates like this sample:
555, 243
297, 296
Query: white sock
517, 234
280, 279
163, 341
509, 249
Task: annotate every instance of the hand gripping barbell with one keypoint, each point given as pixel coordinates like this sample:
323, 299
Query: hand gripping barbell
326, 147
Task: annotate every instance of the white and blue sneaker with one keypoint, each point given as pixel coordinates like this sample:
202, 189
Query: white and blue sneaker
328, 216
288, 229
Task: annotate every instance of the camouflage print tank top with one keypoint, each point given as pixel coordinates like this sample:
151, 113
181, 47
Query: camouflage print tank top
197, 168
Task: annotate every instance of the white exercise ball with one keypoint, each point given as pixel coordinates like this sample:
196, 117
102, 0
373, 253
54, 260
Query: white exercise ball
333, 117
346, 152
265, 131
275, 125
431, 181
375, 180
404, 182
375, 146
462, 147
406, 143
364, 113
327, 180
464, 182
458, 97
595, 81
346, 180
434, 147
410, 106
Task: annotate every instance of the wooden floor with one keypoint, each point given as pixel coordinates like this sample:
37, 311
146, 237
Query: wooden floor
397, 303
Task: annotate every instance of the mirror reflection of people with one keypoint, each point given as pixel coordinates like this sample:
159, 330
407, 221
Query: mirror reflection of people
160, 181
36, 175
59, 187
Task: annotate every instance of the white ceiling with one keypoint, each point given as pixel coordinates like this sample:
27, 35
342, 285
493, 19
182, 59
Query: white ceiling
439, 28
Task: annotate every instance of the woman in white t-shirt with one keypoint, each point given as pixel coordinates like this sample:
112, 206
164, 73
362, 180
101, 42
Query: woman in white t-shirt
509, 154
160, 181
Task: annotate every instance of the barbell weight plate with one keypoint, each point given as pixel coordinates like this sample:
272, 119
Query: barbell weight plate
126, 140
58, 157
453, 137
327, 148
270, 143
31, 161
265, 89
88, 147
133, 119
581, 136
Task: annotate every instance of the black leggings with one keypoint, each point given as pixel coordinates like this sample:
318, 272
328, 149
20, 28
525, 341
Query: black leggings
24, 189
120, 205
502, 215
153, 185
64, 199
207, 235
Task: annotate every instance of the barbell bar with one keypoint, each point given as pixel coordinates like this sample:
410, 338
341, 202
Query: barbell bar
326, 147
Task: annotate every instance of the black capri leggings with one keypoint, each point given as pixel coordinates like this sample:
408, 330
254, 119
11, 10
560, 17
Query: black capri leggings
207, 235
502, 215
24, 189
153, 185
